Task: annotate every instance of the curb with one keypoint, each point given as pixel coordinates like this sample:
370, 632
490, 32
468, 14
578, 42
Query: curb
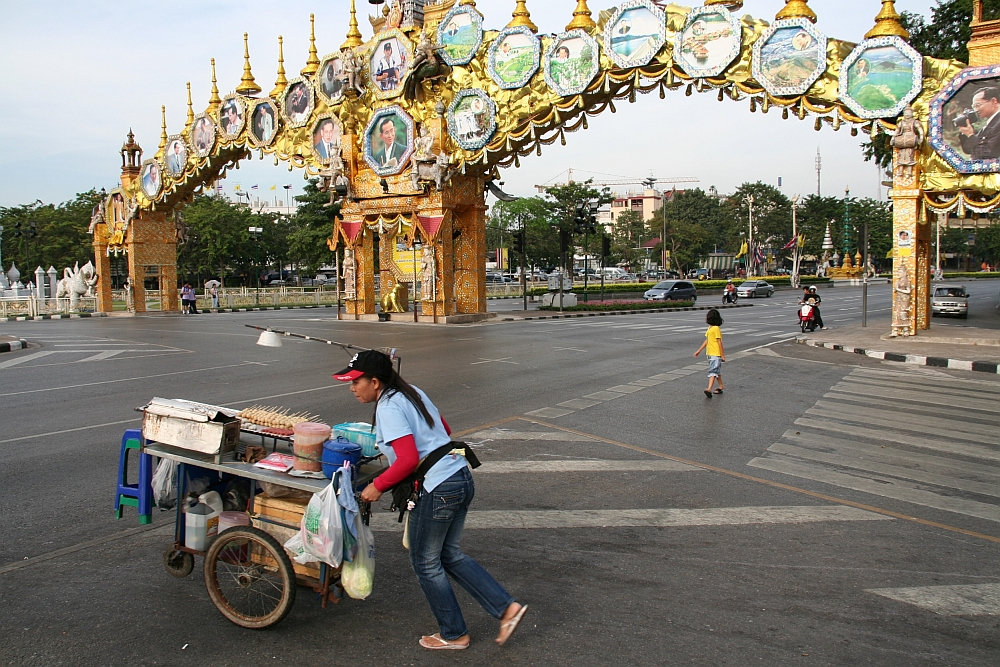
916, 359
61, 316
13, 345
606, 313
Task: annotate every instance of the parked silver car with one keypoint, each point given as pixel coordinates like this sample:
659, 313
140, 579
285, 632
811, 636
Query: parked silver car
749, 289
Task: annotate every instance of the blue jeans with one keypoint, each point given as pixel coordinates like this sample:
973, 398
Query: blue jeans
435, 526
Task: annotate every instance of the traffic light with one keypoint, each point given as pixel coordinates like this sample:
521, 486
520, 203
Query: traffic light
563, 240
579, 220
605, 246
517, 242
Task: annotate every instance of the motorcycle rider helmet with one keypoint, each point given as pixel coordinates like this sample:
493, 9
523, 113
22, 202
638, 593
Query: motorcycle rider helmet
812, 289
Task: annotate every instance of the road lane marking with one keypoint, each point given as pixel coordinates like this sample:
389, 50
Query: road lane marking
960, 600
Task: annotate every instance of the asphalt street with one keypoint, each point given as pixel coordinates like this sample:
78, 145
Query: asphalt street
828, 508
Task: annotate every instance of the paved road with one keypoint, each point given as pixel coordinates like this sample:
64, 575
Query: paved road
828, 507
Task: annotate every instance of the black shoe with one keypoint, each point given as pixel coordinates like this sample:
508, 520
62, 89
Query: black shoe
708, 394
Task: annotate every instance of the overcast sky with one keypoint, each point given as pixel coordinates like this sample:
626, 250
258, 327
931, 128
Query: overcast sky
78, 75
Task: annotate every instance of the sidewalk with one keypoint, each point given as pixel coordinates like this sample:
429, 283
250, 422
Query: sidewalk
942, 346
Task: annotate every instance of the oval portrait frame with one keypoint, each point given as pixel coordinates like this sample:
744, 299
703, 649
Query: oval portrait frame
372, 57
464, 128
620, 23
942, 111
175, 168
292, 110
232, 101
257, 140
721, 49
465, 23
314, 132
494, 54
203, 135
780, 51
590, 60
859, 55
402, 121
334, 92
151, 187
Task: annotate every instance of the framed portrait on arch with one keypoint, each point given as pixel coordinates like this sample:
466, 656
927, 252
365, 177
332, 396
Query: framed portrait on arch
263, 123
388, 140
964, 121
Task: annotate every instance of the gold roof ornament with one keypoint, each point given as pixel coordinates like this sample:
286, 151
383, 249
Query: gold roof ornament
581, 17
312, 64
887, 23
353, 34
467, 3
281, 82
522, 17
190, 114
214, 102
163, 127
730, 4
247, 84
796, 9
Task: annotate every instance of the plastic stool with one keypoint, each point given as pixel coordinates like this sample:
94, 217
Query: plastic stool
139, 495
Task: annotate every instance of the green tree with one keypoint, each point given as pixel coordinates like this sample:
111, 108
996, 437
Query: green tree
47, 235
506, 219
219, 244
988, 245
772, 217
562, 203
308, 229
690, 225
627, 235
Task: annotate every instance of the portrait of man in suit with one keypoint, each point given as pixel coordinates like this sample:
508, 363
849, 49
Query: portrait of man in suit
151, 179
326, 139
176, 156
385, 136
984, 144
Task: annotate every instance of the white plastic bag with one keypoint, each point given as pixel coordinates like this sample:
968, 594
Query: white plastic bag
358, 576
320, 531
165, 483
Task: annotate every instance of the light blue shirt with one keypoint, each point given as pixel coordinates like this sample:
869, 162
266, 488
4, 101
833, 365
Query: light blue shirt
396, 417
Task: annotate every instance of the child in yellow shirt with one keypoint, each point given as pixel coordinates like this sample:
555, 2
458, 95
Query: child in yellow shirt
714, 351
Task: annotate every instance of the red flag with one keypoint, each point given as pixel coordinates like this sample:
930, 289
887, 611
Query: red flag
791, 244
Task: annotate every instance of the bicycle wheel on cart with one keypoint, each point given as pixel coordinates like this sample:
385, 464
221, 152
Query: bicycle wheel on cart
249, 577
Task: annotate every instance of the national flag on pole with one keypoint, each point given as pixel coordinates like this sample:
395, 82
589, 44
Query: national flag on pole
273, 187
758, 256
236, 187
802, 240
253, 187
791, 244
218, 187
743, 250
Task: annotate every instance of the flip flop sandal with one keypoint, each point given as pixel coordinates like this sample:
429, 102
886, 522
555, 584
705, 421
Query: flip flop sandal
508, 627
436, 643
708, 394
718, 391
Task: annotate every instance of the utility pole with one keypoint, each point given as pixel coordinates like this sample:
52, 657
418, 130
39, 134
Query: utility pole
819, 165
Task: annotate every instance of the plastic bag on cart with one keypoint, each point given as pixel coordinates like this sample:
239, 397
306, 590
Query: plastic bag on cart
358, 576
165, 484
320, 536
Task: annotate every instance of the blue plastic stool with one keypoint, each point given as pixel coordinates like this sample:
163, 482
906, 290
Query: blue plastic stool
139, 495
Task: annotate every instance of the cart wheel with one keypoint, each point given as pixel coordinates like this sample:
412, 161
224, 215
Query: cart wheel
249, 577
178, 563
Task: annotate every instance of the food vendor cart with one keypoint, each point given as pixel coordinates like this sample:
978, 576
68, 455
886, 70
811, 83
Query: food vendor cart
248, 573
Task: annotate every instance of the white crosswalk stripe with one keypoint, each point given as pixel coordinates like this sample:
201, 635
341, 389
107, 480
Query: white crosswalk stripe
965, 600
69, 349
921, 438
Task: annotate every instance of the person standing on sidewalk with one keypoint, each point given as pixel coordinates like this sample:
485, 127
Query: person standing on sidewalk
409, 428
188, 300
714, 351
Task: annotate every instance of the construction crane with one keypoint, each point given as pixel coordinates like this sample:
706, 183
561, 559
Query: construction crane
648, 182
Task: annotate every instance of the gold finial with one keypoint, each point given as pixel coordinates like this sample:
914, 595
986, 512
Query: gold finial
887, 23
581, 17
163, 127
190, 116
353, 34
469, 3
313, 63
522, 17
730, 4
281, 82
214, 101
247, 85
796, 9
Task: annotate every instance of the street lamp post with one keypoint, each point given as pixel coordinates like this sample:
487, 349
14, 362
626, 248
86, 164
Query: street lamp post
255, 232
750, 252
795, 240
847, 222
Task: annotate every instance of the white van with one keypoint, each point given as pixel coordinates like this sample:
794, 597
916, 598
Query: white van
614, 273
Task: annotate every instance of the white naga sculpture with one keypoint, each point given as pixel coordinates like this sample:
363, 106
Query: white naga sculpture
77, 282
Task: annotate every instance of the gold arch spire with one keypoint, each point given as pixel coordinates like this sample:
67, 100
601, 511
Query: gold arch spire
522, 17
581, 17
312, 64
190, 115
795, 9
353, 34
730, 4
214, 101
163, 127
470, 3
887, 23
281, 82
247, 84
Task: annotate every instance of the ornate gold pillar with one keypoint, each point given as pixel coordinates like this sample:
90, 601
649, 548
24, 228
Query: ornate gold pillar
364, 258
911, 245
102, 264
